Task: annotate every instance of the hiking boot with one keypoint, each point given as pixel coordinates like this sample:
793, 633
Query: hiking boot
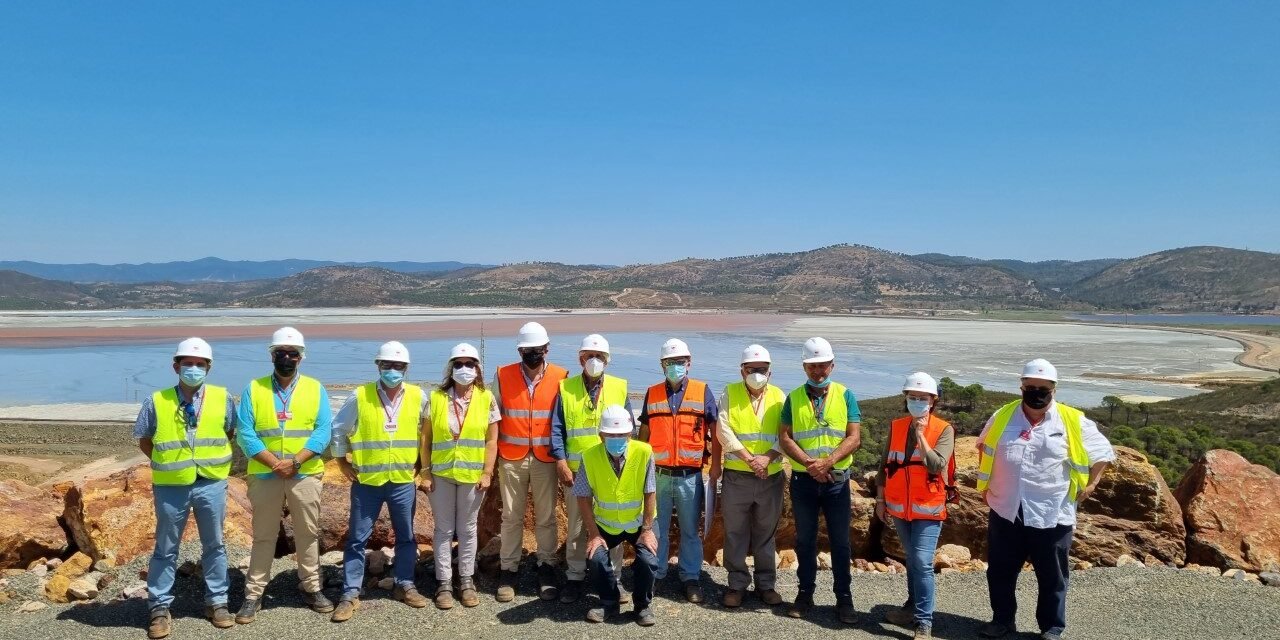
602, 612
770, 597
732, 598
318, 602
467, 592
645, 617
846, 613
923, 633
160, 624
571, 592
345, 609
444, 596
624, 597
507, 581
802, 605
410, 596
547, 589
901, 617
693, 592
995, 630
248, 611
219, 616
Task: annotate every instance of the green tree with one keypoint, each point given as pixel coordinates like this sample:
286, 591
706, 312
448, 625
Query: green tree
1111, 402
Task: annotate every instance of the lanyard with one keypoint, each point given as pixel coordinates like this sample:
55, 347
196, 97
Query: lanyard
455, 404
757, 403
197, 405
285, 396
817, 405
594, 396
394, 410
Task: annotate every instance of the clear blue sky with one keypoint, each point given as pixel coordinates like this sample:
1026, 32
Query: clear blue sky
595, 132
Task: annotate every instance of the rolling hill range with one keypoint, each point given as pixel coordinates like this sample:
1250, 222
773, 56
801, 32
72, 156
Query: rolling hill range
834, 278
206, 269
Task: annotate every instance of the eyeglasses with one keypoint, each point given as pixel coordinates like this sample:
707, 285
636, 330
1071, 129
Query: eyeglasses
1036, 388
280, 354
458, 364
532, 350
756, 369
683, 361
398, 366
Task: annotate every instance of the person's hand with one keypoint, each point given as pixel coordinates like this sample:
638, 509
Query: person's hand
598, 542
760, 466
426, 482
565, 473
283, 468
485, 480
347, 469
1084, 493
919, 424
819, 469
880, 512
715, 472
648, 540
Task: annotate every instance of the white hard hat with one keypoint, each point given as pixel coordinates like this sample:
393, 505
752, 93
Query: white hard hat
194, 347
595, 342
392, 352
615, 420
755, 353
920, 381
818, 350
287, 337
1040, 369
464, 350
675, 348
532, 334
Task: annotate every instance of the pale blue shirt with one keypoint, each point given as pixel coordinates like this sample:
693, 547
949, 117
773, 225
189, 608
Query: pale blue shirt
247, 433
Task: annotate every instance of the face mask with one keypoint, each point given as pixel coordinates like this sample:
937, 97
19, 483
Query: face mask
918, 408
615, 446
192, 376
1037, 398
532, 359
676, 372
593, 368
286, 368
391, 377
818, 385
757, 380
464, 376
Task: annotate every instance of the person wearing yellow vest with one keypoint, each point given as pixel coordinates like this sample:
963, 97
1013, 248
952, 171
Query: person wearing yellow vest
911, 494
575, 427
819, 430
526, 391
378, 428
746, 453
1037, 460
614, 487
186, 431
459, 449
284, 424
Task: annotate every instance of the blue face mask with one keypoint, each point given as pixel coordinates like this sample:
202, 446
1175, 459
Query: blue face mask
676, 372
917, 408
616, 446
191, 375
818, 385
391, 377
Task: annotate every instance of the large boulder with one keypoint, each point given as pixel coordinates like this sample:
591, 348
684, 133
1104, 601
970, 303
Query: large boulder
1232, 512
29, 527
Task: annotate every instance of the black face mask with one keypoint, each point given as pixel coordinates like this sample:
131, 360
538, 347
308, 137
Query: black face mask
1037, 398
285, 368
532, 359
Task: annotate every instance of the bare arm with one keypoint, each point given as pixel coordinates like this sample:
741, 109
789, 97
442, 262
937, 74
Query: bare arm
852, 440
490, 453
145, 445
790, 447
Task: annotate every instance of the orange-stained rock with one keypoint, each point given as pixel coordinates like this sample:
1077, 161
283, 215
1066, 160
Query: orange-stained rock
75, 566
55, 590
1232, 512
29, 527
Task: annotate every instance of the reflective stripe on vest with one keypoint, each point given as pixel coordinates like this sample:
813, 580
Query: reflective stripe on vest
286, 440
618, 501
174, 460
910, 491
380, 457
816, 440
1076, 463
460, 460
758, 438
678, 440
582, 418
526, 420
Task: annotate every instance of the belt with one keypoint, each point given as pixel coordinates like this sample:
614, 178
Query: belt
678, 471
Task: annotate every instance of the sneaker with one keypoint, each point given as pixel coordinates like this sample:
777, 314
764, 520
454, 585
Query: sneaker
693, 592
444, 596
902, 617
345, 609
507, 581
923, 633
547, 589
410, 596
248, 611
467, 592
1052, 634
571, 592
602, 612
802, 605
318, 602
219, 616
732, 598
846, 613
770, 597
645, 617
624, 597
160, 624
995, 630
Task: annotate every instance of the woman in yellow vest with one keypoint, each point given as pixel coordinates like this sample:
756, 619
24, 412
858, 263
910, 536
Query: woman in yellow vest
911, 494
459, 451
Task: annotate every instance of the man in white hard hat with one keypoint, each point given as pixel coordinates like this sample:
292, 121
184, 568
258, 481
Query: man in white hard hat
285, 424
1038, 460
677, 420
819, 430
746, 452
614, 487
378, 427
526, 392
575, 427
186, 431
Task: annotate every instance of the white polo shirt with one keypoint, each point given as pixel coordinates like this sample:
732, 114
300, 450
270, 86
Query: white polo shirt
1031, 472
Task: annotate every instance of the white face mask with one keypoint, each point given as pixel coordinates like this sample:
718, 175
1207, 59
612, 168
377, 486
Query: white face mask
594, 367
757, 381
464, 376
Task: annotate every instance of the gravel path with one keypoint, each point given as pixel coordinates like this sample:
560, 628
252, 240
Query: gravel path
1110, 604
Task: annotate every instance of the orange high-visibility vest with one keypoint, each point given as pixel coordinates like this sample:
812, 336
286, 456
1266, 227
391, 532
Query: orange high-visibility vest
526, 419
910, 491
678, 439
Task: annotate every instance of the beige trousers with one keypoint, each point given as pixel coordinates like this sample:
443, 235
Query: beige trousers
575, 546
517, 479
268, 497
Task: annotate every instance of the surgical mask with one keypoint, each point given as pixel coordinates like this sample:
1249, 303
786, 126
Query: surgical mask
464, 376
818, 385
757, 381
532, 359
594, 367
1037, 398
615, 446
918, 408
192, 376
391, 377
676, 372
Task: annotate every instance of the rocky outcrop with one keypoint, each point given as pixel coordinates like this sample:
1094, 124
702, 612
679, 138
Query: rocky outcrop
29, 527
1232, 512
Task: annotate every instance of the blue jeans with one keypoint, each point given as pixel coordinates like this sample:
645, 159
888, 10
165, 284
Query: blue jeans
366, 503
600, 568
809, 498
684, 495
919, 541
208, 499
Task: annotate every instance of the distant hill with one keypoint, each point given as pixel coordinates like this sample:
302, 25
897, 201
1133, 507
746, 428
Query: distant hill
22, 291
1048, 274
206, 269
1188, 279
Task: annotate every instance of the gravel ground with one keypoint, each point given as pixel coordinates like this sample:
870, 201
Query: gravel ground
1129, 602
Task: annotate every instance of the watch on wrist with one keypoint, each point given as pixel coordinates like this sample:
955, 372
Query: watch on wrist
297, 464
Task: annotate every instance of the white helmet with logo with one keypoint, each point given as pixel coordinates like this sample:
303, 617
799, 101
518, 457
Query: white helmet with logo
392, 352
675, 348
287, 337
195, 348
595, 342
1040, 369
920, 381
615, 420
532, 334
818, 350
755, 353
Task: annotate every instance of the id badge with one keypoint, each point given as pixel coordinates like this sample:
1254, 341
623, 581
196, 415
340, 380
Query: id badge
390, 427
284, 415
1025, 435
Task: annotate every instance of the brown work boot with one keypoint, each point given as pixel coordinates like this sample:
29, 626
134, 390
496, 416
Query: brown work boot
345, 609
409, 596
693, 592
547, 589
846, 613
770, 597
624, 597
219, 616
248, 611
802, 605
507, 581
160, 625
902, 617
732, 598
444, 596
467, 592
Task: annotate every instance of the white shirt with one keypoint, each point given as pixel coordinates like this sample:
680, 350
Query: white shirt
1032, 473
344, 423
724, 432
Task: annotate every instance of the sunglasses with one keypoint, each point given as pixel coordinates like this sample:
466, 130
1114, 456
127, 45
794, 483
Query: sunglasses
398, 366
1036, 388
756, 369
458, 364
532, 349
683, 361
280, 354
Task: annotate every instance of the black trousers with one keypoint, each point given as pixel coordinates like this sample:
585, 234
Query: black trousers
1009, 544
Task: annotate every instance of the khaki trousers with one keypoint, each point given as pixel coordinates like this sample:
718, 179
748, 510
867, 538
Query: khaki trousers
751, 508
575, 546
517, 479
268, 497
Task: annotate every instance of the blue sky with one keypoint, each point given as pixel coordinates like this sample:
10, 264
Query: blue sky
608, 133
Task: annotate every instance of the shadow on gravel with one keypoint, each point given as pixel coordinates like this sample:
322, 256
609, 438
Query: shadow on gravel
946, 626
188, 602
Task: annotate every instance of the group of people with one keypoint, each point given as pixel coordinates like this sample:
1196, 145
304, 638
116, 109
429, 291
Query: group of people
539, 431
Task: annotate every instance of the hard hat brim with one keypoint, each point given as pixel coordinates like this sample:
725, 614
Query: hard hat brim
608, 432
821, 359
